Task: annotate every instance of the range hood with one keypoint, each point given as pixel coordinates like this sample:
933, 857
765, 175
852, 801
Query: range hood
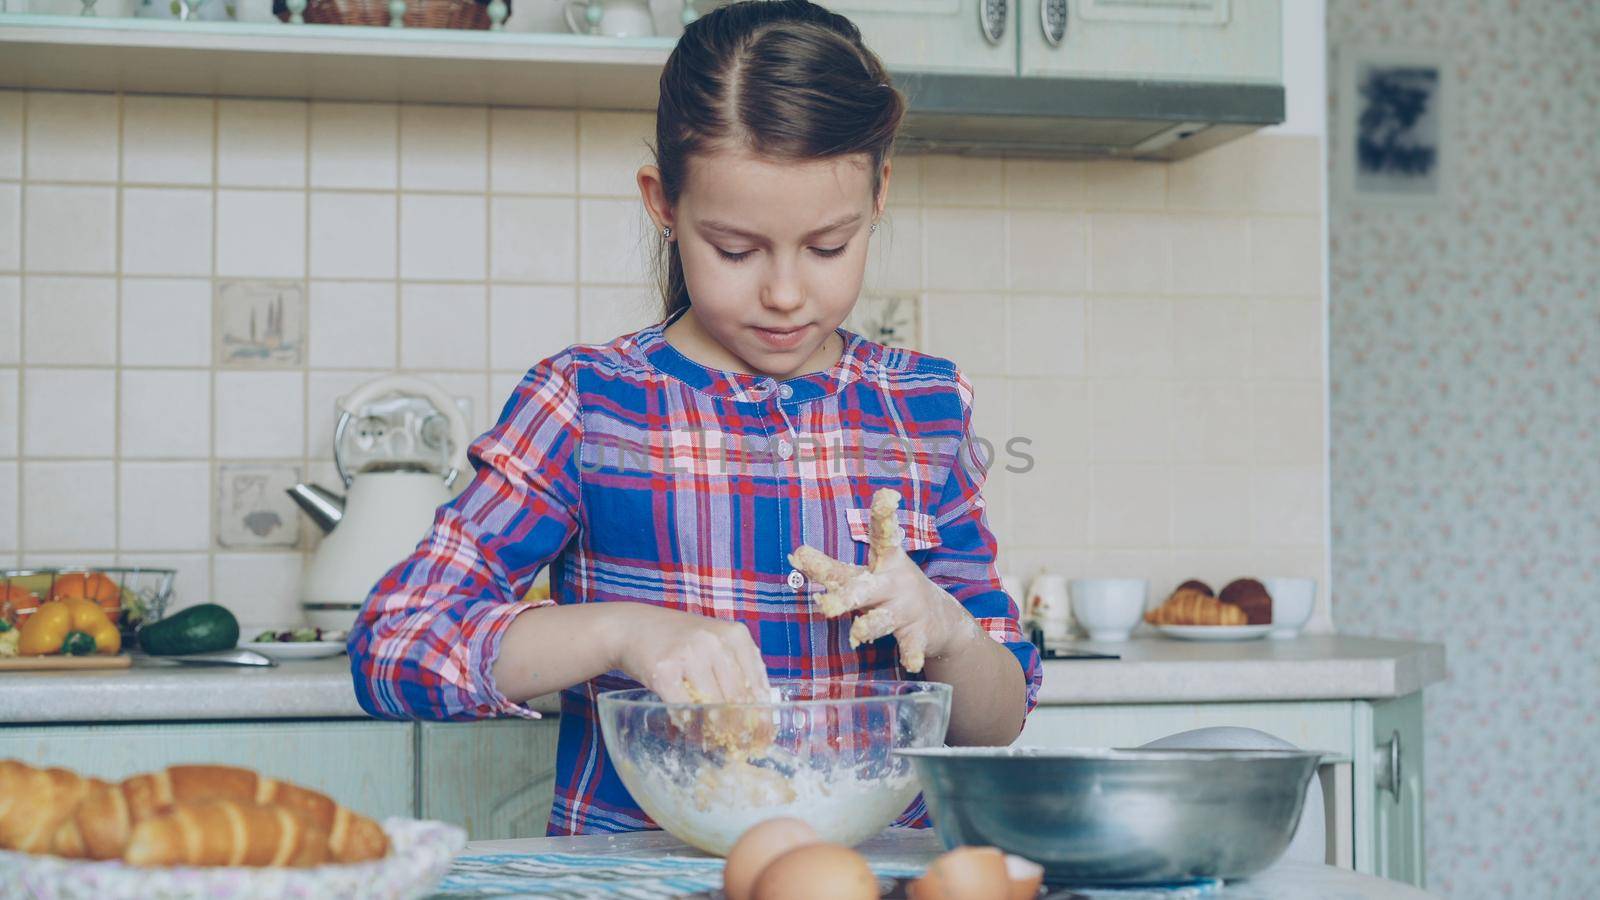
1080, 117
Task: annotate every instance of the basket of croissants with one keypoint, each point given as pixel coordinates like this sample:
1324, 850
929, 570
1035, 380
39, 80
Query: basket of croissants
203, 830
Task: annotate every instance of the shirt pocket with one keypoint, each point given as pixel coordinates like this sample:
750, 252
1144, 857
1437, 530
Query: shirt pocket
921, 532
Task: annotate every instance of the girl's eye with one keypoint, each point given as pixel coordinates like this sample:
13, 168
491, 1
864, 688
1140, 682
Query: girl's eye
829, 251
734, 257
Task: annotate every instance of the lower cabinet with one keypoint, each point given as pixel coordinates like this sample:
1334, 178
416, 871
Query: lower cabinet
496, 779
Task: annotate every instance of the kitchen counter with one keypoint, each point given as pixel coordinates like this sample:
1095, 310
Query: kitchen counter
1150, 671
1288, 880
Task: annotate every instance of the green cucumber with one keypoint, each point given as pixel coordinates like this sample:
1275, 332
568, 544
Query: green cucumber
198, 629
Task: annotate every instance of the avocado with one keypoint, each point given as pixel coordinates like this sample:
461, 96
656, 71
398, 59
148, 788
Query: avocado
198, 629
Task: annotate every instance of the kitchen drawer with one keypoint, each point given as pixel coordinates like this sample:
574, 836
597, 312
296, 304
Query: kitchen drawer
494, 778
367, 766
1315, 725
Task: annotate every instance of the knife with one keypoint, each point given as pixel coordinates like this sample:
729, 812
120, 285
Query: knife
234, 657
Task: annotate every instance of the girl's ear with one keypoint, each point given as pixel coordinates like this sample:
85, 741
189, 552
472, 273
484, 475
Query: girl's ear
654, 196
882, 200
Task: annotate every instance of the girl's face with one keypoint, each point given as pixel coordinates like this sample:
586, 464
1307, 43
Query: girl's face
773, 256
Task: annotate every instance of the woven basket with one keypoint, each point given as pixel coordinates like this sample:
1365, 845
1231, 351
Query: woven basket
464, 14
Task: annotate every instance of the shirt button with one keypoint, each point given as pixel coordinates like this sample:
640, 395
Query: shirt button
785, 449
785, 391
796, 580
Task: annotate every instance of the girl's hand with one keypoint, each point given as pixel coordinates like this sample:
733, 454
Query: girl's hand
892, 595
687, 658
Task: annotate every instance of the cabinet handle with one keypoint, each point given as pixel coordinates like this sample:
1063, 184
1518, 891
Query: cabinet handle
1386, 767
1053, 19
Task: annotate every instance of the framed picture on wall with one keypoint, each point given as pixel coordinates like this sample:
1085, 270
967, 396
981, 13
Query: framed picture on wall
1394, 109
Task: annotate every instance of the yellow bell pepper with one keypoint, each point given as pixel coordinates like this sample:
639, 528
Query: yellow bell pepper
90, 618
47, 629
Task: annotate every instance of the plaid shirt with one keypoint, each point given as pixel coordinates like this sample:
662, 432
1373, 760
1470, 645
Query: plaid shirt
637, 474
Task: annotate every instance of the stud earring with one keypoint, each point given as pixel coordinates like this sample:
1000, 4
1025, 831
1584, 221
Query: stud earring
874, 228
666, 233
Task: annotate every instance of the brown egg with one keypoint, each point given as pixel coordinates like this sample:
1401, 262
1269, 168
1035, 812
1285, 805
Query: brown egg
965, 873
817, 870
758, 846
1195, 584
1251, 596
1026, 877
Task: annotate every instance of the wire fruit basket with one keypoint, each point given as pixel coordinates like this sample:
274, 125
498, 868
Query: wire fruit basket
130, 595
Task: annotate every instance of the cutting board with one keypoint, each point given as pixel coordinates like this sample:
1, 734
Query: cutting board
96, 661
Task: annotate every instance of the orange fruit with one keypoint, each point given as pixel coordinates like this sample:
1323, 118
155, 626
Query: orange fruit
20, 603
90, 586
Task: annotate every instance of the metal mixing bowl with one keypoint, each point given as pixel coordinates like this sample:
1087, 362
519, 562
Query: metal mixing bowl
822, 751
1112, 817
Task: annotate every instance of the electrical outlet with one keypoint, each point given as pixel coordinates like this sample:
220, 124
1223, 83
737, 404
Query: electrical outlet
891, 319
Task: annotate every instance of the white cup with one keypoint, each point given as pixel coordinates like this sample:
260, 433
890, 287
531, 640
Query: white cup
1108, 608
1292, 602
613, 18
1049, 606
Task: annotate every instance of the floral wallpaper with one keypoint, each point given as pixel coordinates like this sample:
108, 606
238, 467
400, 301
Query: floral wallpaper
1465, 429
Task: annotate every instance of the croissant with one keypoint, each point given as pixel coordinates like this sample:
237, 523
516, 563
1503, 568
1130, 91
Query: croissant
1187, 606
226, 833
57, 811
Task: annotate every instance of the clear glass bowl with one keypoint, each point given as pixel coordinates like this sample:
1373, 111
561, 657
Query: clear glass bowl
142, 592
822, 751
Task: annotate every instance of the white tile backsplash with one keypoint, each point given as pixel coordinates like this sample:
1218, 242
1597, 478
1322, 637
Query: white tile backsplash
11, 118
9, 506
444, 148
442, 237
10, 320
443, 326
69, 506
70, 228
167, 140
166, 322
528, 323
10, 414
259, 415
355, 145
165, 506
70, 321
69, 413
533, 239
261, 143
533, 151
353, 324
1152, 332
261, 234
10, 227
71, 136
166, 414
611, 148
354, 235
166, 231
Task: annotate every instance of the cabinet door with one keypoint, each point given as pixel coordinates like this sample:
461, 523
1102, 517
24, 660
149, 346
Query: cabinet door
1321, 725
1396, 790
494, 778
937, 35
366, 766
1177, 40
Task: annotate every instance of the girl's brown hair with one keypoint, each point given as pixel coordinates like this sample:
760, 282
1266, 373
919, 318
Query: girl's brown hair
785, 79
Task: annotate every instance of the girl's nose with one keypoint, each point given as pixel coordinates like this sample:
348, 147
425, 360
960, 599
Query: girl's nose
783, 293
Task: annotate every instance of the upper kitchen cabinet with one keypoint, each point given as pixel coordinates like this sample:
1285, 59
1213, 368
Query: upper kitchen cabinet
976, 37
1201, 41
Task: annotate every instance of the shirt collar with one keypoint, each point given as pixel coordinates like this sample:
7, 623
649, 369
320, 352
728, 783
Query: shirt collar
859, 358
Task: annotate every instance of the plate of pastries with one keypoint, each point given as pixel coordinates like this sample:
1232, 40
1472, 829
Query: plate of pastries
1243, 611
204, 831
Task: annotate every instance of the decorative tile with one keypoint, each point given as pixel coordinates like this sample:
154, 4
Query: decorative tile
259, 324
253, 510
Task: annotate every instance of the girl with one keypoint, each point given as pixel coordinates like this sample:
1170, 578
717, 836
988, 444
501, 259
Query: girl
665, 477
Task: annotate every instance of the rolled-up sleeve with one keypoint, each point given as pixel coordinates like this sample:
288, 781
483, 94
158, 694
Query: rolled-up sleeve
963, 563
425, 643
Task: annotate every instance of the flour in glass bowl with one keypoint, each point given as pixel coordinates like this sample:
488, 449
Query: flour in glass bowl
712, 809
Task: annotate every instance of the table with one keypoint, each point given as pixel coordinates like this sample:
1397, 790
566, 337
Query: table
1288, 880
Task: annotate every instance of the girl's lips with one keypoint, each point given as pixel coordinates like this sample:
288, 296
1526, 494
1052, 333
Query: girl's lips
781, 340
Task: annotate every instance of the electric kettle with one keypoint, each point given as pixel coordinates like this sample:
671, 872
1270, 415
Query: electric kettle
399, 446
